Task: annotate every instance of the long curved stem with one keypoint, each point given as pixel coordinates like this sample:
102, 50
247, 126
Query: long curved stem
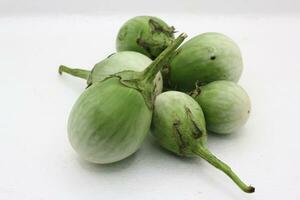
213, 160
81, 73
151, 71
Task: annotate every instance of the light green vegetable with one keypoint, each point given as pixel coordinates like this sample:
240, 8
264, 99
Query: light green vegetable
145, 34
112, 117
225, 104
204, 58
126, 60
179, 126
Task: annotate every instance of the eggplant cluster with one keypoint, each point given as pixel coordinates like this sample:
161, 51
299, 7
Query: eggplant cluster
152, 84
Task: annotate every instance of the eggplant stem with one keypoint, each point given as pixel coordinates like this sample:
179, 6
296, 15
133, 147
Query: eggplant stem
151, 71
81, 73
213, 160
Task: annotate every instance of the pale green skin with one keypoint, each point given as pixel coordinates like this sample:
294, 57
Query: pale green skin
179, 126
204, 58
226, 106
145, 34
112, 117
178, 123
108, 122
125, 60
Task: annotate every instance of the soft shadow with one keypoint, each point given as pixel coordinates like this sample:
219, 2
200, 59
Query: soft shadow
205, 170
77, 85
233, 135
157, 147
223, 183
107, 168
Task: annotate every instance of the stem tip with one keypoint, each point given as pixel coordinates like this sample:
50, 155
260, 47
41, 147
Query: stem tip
60, 69
250, 189
81, 73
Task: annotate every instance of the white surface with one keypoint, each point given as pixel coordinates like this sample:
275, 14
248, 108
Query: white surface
37, 161
17, 7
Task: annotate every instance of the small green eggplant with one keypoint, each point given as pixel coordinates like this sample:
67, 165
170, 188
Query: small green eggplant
145, 34
204, 58
125, 60
112, 117
180, 128
225, 104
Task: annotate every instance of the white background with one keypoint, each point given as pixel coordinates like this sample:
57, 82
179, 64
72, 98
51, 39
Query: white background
36, 160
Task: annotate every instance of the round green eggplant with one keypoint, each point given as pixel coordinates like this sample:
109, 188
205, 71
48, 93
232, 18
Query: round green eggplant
126, 60
225, 104
180, 128
145, 34
204, 58
112, 117
108, 122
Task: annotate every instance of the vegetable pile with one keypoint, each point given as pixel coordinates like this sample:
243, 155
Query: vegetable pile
179, 93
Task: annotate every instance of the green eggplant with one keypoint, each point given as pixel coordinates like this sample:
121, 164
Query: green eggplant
117, 62
204, 58
225, 104
145, 34
180, 128
111, 118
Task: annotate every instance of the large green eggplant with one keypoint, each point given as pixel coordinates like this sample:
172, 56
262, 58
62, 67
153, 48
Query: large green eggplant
145, 34
204, 58
112, 117
117, 62
180, 128
225, 104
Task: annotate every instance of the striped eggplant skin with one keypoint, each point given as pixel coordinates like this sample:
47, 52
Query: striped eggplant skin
145, 34
108, 122
121, 61
115, 63
204, 58
178, 122
225, 104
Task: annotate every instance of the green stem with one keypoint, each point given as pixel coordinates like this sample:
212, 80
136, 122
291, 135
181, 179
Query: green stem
151, 71
209, 157
81, 73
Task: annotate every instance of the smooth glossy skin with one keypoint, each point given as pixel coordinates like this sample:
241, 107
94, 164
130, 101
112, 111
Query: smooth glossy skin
125, 60
117, 62
111, 118
225, 104
108, 122
204, 58
121, 61
179, 126
145, 34
178, 119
